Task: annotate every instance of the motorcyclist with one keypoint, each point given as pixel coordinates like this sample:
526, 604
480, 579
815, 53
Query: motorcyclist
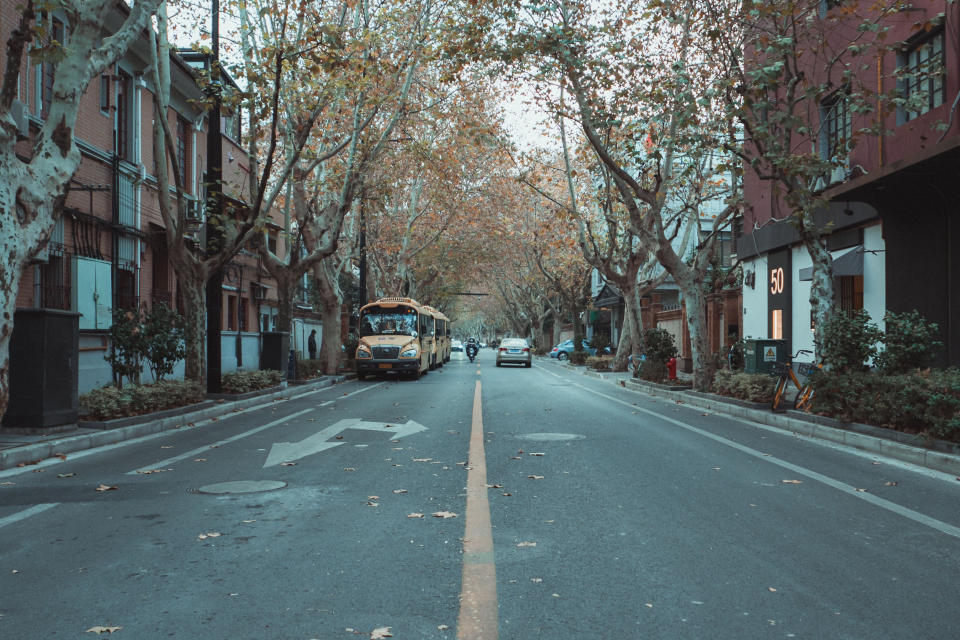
472, 348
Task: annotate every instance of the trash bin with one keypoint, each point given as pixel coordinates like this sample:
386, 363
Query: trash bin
760, 355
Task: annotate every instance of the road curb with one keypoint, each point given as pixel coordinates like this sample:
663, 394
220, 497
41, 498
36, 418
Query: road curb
61, 445
814, 427
852, 435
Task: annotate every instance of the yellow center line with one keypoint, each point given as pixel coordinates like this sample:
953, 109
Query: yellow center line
478, 589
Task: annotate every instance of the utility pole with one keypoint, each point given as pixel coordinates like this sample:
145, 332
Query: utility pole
214, 208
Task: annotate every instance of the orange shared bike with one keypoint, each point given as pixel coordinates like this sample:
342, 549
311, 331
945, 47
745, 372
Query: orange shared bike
787, 376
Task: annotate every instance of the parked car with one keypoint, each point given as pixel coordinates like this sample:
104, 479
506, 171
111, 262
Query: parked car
514, 351
562, 350
456, 345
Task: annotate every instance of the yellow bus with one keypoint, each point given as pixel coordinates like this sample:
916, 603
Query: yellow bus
397, 335
442, 335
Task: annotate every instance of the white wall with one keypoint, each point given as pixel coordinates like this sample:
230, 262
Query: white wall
755, 299
301, 333
875, 274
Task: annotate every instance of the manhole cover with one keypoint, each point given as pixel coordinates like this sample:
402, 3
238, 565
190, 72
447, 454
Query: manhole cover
242, 486
550, 437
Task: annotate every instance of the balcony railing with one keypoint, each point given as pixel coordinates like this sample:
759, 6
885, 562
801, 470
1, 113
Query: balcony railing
55, 297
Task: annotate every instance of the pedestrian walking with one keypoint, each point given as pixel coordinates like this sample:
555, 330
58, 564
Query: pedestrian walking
312, 344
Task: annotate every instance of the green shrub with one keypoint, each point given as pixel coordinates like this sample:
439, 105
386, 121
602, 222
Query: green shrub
849, 340
653, 371
578, 357
913, 402
599, 363
307, 369
126, 346
658, 345
909, 343
753, 387
246, 381
163, 344
109, 402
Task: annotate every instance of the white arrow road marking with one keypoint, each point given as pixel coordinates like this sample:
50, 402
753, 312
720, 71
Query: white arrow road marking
291, 451
206, 448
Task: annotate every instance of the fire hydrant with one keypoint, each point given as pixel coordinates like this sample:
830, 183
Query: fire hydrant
672, 368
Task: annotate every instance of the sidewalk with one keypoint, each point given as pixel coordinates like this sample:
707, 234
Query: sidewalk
944, 457
26, 449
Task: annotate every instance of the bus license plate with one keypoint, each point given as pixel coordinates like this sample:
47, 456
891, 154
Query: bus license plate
385, 365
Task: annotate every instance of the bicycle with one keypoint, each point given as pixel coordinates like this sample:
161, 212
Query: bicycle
805, 390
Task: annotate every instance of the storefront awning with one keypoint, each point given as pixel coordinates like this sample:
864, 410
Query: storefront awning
849, 264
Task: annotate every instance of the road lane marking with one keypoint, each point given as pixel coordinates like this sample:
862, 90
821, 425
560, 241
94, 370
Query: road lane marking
850, 490
478, 590
26, 513
206, 448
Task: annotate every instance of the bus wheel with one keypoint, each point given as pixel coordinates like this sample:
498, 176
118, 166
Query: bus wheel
416, 374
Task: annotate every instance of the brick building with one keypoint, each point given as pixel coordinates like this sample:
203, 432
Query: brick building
109, 250
893, 205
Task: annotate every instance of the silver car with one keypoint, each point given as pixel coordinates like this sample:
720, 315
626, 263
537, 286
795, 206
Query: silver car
514, 351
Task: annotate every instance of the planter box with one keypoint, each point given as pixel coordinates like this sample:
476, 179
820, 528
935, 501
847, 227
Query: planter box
126, 421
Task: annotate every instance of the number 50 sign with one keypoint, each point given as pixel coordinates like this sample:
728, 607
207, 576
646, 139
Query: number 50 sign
776, 281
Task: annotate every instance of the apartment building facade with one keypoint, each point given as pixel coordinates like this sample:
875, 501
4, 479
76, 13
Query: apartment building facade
109, 250
892, 227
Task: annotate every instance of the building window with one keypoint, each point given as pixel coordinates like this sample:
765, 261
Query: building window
124, 133
850, 292
272, 243
836, 126
57, 34
923, 75
105, 94
242, 311
183, 149
231, 313
776, 324
127, 290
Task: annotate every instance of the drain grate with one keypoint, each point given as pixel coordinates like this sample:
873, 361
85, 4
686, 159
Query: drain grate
240, 486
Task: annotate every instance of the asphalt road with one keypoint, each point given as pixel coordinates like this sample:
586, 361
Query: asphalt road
612, 515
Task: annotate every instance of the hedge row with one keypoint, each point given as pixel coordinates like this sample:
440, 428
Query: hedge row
133, 400
920, 402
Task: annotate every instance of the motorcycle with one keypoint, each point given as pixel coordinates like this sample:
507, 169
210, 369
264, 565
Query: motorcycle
471, 351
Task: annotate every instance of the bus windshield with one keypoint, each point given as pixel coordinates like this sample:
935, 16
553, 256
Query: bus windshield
387, 322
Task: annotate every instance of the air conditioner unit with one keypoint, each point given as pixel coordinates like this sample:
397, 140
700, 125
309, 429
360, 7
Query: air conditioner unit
18, 112
839, 174
192, 215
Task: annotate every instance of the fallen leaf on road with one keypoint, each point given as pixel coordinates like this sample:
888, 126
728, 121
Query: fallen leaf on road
535, 477
494, 486
372, 504
105, 487
288, 464
443, 514
679, 401
771, 590
373, 497
521, 458
151, 471
462, 464
537, 454
211, 534
791, 481
860, 490
199, 459
39, 470
414, 515
65, 475
422, 459
167, 446
248, 521
339, 438
399, 491
890, 484
506, 495
7, 484
349, 469
442, 627
537, 580
99, 630
62, 456
381, 632
526, 544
